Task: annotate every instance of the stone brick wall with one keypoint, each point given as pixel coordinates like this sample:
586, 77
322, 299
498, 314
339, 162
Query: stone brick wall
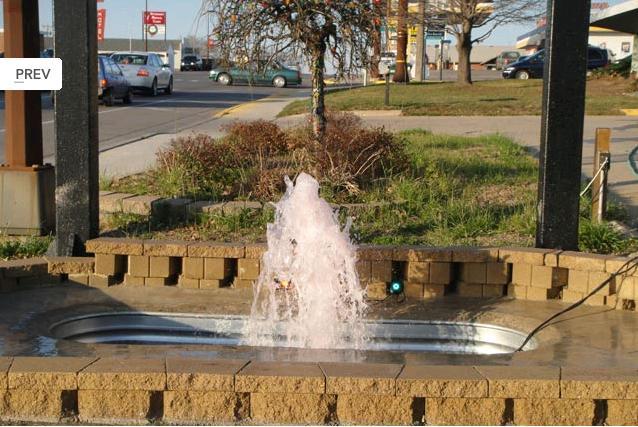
178, 390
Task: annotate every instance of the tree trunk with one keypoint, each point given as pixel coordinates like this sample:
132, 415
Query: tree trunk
318, 113
401, 72
464, 48
376, 52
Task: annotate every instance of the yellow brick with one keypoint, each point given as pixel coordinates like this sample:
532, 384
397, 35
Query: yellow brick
571, 296
626, 288
492, 291
414, 290
188, 283
98, 406
582, 261
193, 268
517, 291
32, 405
138, 265
133, 280
418, 272
381, 271
199, 407
469, 290
156, 282
289, 408
440, 273
377, 410
522, 274
460, 411
542, 294
529, 256
163, 266
248, 269
78, 279
217, 268
431, 290
376, 290
553, 412
497, 273
363, 270
622, 412
598, 277
243, 283
474, 272
548, 277
110, 265
595, 300
101, 281
210, 284
578, 281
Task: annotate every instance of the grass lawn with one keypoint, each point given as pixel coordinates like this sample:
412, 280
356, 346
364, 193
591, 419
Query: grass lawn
455, 190
489, 98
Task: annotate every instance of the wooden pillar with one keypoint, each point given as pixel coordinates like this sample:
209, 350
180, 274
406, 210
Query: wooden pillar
23, 109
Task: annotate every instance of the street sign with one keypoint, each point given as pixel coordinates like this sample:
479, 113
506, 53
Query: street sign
433, 38
155, 18
155, 30
435, 33
447, 41
101, 23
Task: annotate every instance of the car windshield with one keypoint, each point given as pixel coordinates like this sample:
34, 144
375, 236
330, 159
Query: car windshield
130, 59
190, 58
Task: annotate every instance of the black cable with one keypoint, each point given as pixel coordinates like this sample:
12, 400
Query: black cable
627, 266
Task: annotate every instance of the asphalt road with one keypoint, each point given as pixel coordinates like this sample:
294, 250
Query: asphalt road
195, 100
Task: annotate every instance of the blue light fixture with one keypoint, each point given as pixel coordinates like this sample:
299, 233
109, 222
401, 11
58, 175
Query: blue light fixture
395, 288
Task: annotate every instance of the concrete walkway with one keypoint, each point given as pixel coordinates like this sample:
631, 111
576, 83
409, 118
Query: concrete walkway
526, 131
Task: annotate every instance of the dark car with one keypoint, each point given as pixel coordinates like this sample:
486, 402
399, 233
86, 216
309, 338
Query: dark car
533, 66
191, 63
111, 82
273, 73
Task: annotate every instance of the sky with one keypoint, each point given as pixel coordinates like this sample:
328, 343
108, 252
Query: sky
124, 19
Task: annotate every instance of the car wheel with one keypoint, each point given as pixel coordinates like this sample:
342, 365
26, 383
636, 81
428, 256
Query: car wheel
522, 75
225, 79
169, 88
128, 99
108, 98
279, 81
154, 88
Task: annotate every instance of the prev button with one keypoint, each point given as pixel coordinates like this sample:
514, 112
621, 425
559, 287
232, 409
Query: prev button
30, 74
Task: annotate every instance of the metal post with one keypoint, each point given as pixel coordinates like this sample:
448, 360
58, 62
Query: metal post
441, 62
76, 126
562, 124
387, 89
145, 28
23, 109
599, 186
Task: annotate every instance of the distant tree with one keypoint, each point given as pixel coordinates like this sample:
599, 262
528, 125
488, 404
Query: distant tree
463, 17
263, 31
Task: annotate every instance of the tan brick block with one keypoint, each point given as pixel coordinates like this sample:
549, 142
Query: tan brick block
243, 283
376, 291
421, 254
473, 272
3, 404
597, 383
289, 408
202, 374
440, 273
522, 274
280, 377
578, 281
414, 290
517, 291
441, 381
163, 266
569, 296
622, 412
626, 288
375, 252
613, 264
582, 261
433, 291
529, 256
497, 273
124, 374
165, 248
217, 268
101, 281
5, 363
418, 272
216, 250
364, 269
205, 407
158, 282
139, 265
522, 381
248, 269
46, 373
70, 265
210, 284
185, 282
551, 258
133, 280
358, 378
493, 291
596, 300
553, 412
113, 245
193, 268
356, 409
109, 264
541, 294
456, 411
106, 406
548, 277
256, 250
474, 255
381, 271
598, 277
25, 268
469, 290
34, 405
613, 301
78, 279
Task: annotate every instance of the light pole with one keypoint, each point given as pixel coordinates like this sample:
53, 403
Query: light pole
144, 26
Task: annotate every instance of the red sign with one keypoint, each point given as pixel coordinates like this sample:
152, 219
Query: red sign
101, 23
154, 18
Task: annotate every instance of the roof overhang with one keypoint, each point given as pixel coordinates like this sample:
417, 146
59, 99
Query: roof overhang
622, 17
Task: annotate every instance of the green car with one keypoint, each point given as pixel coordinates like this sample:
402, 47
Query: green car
275, 74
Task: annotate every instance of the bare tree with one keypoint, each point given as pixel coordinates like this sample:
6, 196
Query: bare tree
251, 31
465, 17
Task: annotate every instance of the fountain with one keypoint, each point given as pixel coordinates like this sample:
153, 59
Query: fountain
308, 293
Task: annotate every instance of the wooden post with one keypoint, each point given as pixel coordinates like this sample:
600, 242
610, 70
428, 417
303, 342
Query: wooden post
23, 109
599, 187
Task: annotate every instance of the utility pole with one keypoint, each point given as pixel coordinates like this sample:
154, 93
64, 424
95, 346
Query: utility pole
401, 74
421, 62
145, 27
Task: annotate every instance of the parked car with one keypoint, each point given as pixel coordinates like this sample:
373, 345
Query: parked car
274, 73
112, 84
534, 65
505, 58
191, 62
145, 71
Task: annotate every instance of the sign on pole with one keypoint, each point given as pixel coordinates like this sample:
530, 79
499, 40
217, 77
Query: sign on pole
154, 23
101, 23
